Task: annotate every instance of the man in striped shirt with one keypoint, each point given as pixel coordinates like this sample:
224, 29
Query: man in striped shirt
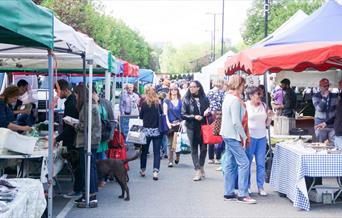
325, 104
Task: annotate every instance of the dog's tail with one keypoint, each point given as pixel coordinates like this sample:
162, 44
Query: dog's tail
134, 157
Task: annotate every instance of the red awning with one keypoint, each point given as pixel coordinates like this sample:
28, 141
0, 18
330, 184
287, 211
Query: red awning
296, 57
130, 70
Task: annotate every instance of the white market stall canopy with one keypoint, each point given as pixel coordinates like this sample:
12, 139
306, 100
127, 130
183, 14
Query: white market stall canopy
309, 78
217, 67
69, 45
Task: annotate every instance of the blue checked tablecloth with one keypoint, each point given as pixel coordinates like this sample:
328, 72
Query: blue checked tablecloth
291, 163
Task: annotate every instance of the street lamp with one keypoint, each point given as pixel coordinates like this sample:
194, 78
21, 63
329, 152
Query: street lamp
266, 9
214, 32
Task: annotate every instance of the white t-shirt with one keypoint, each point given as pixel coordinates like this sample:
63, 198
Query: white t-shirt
257, 116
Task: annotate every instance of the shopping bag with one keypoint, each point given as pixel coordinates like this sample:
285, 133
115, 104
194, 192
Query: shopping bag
136, 135
185, 147
182, 141
135, 121
208, 136
174, 141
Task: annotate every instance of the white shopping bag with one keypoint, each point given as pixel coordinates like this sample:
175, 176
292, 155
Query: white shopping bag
135, 121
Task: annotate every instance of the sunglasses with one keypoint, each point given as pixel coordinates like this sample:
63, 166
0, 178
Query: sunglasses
174, 89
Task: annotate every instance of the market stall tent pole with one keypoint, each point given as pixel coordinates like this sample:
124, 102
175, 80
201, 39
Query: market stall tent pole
50, 137
90, 102
107, 76
114, 91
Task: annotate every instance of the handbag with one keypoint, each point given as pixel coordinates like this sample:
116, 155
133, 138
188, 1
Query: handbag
217, 123
136, 135
208, 136
163, 128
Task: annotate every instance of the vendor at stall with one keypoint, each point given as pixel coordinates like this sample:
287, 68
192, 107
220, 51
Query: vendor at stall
7, 98
325, 104
289, 100
23, 87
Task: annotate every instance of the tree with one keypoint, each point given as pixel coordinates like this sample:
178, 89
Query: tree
280, 11
110, 33
184, 59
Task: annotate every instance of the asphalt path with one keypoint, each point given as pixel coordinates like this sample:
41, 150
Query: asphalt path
176, 195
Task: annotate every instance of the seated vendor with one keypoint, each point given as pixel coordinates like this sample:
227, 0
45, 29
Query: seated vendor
7, 98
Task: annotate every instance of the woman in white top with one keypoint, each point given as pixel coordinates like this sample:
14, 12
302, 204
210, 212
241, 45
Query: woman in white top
257, 122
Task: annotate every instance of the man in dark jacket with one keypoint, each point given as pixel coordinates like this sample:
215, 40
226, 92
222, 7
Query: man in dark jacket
68, 136
289, 102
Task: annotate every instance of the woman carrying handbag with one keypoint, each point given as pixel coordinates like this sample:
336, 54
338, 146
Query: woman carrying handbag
195, 107
172, 109
150, 114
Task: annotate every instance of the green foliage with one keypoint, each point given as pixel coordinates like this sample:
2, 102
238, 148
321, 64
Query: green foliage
280, 11
108, 32
181, 60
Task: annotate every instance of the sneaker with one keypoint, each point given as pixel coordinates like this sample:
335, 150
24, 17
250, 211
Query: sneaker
211, 161
142, 173
155, 175
198, 176
72, 195
177, 160
170, 164
262, 192
217, 162
229, 197
165, 156
202, 172
80, 200
246, 200
92, 201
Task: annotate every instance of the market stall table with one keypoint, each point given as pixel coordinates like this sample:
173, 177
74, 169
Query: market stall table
291, 163
29, 201
40, 155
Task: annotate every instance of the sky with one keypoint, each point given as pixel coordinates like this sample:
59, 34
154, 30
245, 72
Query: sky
181, 21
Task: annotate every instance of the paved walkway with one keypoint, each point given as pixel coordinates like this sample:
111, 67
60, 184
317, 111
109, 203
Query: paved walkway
176, 195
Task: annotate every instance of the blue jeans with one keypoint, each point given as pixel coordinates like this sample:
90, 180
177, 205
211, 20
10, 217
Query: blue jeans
156, 152
93, 171
338, 142
236, 164
257, 147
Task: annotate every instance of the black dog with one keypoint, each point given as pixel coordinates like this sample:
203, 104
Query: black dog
112, 167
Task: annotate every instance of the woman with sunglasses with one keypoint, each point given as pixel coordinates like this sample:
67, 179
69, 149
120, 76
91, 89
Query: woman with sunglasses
194, 110
258, 120
172, 109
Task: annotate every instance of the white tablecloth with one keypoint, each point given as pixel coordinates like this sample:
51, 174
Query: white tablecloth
58, 162
29, 202
292, 163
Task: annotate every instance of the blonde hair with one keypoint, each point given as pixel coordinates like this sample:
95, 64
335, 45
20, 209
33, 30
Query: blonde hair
151, 96
235, 82
218, 83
